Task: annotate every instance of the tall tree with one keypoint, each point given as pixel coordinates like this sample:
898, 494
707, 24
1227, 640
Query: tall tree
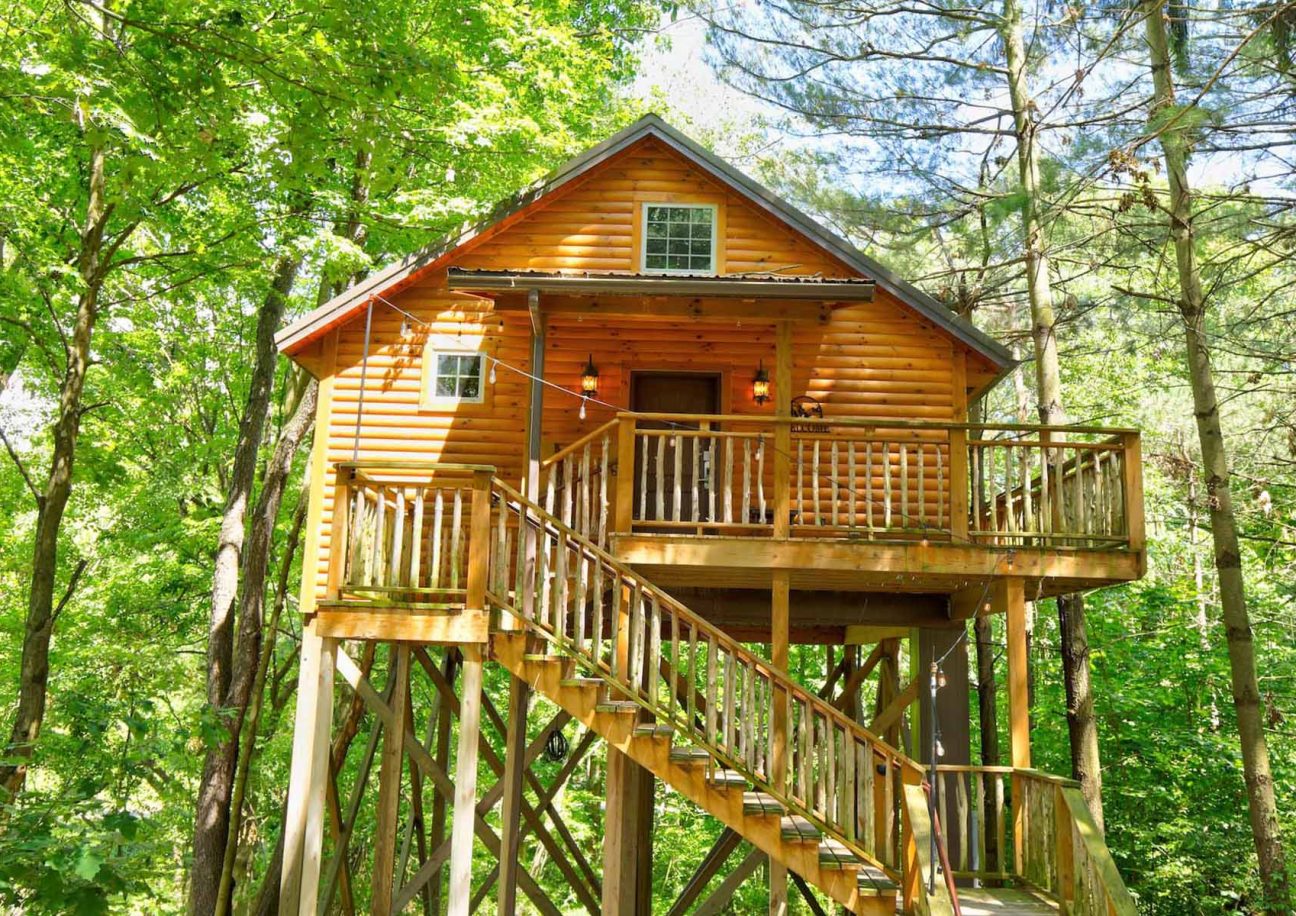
1170, 123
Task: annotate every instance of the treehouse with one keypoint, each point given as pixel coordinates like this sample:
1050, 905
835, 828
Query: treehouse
629, 440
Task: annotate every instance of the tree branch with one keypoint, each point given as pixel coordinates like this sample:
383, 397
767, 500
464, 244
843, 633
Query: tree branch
22, 469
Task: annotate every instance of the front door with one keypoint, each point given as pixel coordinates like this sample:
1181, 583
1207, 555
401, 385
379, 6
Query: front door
675, 393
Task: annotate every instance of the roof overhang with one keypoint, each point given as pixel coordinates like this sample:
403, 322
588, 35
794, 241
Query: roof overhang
754, 288
406, 271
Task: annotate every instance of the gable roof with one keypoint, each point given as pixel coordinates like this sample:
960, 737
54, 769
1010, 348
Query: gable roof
406, 270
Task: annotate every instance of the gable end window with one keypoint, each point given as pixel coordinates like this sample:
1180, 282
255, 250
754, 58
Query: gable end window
679, 239
457, 376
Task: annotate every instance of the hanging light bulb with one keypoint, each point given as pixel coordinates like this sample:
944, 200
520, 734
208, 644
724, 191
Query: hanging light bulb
492, 372
582, 410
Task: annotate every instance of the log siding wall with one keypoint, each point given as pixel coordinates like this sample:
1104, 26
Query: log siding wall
875, 360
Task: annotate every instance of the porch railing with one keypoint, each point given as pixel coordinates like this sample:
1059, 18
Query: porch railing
1009, 823
994, 484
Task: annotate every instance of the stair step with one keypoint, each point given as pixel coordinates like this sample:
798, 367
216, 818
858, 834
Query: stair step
654, 730
620, 706
760, 803
797, 829
543, 657
872, 880
689, 755
833, 855
728, 779
581, 682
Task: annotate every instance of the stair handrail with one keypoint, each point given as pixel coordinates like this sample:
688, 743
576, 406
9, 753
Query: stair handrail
589, 438
701, 632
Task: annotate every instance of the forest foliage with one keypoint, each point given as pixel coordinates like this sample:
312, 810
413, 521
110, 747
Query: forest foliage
210, 151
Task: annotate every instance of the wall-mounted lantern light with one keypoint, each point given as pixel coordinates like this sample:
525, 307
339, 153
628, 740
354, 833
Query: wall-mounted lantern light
589, 379
761, 384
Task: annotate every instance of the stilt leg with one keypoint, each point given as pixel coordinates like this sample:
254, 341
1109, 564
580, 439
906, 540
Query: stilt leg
465, 793
515, 748
304, 820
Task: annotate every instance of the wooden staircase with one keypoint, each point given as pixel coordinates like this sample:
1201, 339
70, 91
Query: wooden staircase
783, 768
691, 771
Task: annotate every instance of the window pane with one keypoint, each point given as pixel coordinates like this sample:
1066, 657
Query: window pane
702, 215
445, 386
655, 262
656, 246
446, 365
701, 247
470, 386
657, 213
679, 246
677, 262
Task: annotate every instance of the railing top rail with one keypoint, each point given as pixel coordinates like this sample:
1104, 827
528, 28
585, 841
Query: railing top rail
730, 645
591, 436
879, 423
412, 464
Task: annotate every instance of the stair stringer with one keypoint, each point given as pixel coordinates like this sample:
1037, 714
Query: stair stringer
690, 780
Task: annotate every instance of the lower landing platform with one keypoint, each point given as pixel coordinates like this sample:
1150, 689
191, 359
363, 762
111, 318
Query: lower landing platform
1004, 902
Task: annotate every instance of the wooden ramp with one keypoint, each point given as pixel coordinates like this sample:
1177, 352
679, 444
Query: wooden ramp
1003, 902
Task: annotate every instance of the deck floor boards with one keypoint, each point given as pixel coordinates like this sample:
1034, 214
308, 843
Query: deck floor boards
1003, 902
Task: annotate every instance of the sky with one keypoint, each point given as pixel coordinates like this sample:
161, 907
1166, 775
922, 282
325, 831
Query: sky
675, 68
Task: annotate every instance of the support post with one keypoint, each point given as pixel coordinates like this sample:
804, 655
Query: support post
783, 430
780, 606
621, 807
304, 821
389, 788
1011, 597
465, 785
510, 817
623, 509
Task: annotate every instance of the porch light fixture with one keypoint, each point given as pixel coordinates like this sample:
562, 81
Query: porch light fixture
589, 378
761, 384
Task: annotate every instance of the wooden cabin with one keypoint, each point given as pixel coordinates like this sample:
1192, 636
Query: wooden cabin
631, 438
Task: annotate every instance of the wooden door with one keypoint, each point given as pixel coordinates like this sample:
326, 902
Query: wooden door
677, 393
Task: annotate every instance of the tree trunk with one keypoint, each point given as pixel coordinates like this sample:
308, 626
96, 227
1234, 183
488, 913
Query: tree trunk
230, 678
247, 740
1228, 557
1083, 729
38, 629
1085, 765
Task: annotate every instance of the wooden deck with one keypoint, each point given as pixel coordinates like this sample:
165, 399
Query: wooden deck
1004, 902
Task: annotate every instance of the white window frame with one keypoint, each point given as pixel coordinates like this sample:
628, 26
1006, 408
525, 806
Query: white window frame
643, 242
433, 356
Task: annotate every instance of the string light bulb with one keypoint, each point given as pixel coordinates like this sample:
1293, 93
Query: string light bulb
492, 372
582, 410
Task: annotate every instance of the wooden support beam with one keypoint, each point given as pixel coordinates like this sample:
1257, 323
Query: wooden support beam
807, 894
444, 786
550, 792
514, 765
721, 896
618, 859
389, 789
711, 863
465, 785
783, 431
1012, 599
780, 595
450, 673
304, 819
891, 713
585, 885
778, 889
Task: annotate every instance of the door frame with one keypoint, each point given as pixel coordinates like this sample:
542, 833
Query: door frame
721, 378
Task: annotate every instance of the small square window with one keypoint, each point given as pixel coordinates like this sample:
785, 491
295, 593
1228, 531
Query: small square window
458, 376
679, 239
